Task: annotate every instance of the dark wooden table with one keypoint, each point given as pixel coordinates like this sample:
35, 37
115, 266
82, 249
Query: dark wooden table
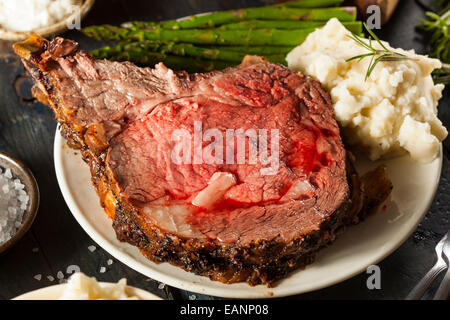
56, 241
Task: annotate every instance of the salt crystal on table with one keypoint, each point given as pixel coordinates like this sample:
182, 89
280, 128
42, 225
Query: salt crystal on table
60, 275
102, 270
38, 277
109, 262
92, 248
50, 278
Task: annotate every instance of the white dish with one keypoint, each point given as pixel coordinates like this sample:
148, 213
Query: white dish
54, 292
359, 247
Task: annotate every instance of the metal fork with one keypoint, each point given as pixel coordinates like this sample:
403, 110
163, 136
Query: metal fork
438, 267
444, 287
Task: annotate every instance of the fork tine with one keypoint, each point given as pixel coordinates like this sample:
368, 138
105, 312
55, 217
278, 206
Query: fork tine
444, 287
426, 281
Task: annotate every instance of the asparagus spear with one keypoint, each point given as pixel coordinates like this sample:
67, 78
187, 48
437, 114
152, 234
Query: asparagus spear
136, 49
353, 26
258, 50
275, 24
279, 12
311, 3
143, 57
252, 37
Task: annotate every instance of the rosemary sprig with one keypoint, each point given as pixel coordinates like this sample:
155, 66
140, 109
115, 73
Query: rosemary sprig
442, 75
377, 55
444, 5
438, 26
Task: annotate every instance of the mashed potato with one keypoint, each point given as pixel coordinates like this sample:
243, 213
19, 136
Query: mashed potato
393, 112
81, 287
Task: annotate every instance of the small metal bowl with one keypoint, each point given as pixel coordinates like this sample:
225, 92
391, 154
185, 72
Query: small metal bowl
20, 171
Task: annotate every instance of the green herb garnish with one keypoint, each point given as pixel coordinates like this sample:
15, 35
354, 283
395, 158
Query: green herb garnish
442, 75
377, 55
438, 26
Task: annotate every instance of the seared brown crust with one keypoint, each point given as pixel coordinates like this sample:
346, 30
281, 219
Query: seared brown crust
260, 262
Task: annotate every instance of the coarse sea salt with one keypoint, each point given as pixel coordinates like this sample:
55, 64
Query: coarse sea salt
13, 204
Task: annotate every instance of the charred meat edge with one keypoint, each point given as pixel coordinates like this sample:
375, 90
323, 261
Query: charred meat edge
261, 262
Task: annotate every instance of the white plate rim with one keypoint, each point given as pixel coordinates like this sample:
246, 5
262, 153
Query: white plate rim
213, 290
51, 292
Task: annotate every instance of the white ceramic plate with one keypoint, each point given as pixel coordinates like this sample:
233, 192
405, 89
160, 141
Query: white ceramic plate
361, 246
54, 292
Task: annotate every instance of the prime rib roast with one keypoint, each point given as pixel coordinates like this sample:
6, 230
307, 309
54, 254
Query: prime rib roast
227, 221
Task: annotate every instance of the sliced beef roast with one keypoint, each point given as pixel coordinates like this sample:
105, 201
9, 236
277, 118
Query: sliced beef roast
239, 174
